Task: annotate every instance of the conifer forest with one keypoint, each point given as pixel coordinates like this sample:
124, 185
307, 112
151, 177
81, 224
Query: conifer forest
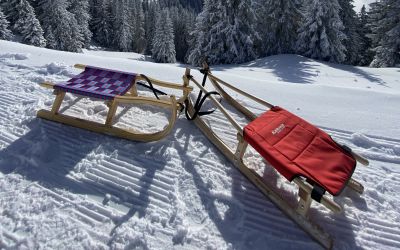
224, 31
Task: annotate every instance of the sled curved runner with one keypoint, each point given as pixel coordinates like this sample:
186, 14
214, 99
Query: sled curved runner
115, 88
306, 191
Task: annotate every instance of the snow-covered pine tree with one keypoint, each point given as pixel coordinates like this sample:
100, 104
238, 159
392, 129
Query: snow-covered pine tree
365, 51
224, 33
352, 27
80, 9
278, 22
101, 23
24, 22
194, 5
321, 34
385, 33
5, 33
183, 21
60, 26
122, 30
163, 41
138, 28
152, 8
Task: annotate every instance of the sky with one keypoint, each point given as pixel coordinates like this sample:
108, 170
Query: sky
359, 3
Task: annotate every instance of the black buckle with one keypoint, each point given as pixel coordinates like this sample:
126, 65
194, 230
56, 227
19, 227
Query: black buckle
317, 193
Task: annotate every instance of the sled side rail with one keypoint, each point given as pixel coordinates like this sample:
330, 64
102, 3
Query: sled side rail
252, 97
360, 158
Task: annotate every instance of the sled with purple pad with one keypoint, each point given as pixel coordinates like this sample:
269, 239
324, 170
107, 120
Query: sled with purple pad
115, 88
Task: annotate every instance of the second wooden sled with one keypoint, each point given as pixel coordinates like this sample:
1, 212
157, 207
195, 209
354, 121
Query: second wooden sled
309, 190
114, 88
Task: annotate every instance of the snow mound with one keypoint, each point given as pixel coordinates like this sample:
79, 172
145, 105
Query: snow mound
55, 68
16, 56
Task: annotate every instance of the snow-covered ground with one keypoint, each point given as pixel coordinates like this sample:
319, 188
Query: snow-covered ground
62, 187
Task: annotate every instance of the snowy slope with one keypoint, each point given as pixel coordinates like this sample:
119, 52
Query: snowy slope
62, 187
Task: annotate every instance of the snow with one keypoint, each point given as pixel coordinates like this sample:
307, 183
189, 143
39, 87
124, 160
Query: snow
62, 187
359, 3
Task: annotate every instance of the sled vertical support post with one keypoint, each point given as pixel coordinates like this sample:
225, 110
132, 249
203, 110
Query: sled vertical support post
304, 202
186, 83
133, 89
241, 148
57, 102
111, 113
328, 203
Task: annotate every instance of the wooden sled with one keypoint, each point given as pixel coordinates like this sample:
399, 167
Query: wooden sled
115, 88
298, 213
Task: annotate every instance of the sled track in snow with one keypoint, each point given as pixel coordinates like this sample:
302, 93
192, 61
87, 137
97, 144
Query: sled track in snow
133, 185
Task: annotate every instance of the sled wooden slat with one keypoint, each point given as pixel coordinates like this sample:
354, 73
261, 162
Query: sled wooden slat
57, 102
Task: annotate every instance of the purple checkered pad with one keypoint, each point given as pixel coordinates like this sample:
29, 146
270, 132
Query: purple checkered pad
98, 83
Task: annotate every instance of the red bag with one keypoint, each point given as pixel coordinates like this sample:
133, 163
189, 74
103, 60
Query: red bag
297, 148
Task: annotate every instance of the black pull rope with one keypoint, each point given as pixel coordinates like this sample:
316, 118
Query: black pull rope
203, 83
197, 108
200, 100
155, 91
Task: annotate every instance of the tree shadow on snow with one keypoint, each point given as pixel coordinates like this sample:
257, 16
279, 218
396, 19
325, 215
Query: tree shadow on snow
358, 71
286, 67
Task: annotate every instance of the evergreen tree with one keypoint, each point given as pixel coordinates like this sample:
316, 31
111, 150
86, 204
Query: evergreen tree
194, 5
183, 21
24, 22
139, 35
152, 8
321, 34
278, 22
224, 33
163, 42
5, 33
122, 35
101, 24
60, 26
352, 28
385, 33
366, 54
80, 9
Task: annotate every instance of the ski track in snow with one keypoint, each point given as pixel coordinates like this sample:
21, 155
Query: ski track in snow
62, 187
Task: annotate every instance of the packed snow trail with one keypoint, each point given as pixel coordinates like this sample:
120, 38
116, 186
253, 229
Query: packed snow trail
63, 187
